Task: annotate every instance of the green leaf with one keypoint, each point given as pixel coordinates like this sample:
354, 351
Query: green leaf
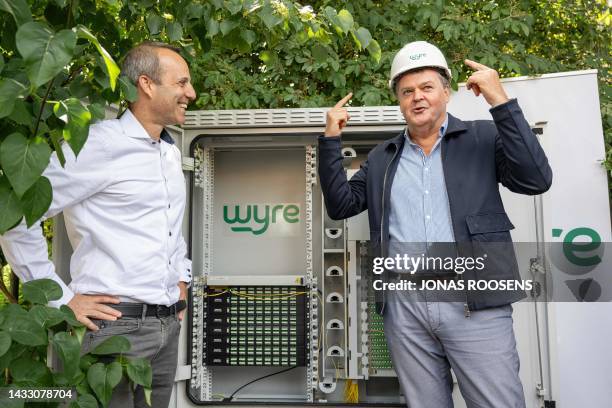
1, 63
364, 37
23, 161
268, 57
85, 401
68, 348
147, 394
269, 18
154, 23
22, 114
61, 379
233, 6
77, 118
212, 28
86, 361
111, 67
331, 14
45, 52
13, 311
10, 90
194, 11
5, 342
375, 51
41, 291
69, 316
175, 31
319, 53
434, 19
525, 29
103, 379
129, 91
19, 9
26, 369
227, 25
15, 351
112, 345
345, 20
98, 112
36, 201
57, 139
10, 211
46, 316
26, 331
249, 36
79, 332
139, 371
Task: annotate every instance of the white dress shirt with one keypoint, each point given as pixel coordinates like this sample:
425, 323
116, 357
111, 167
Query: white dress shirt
123, 201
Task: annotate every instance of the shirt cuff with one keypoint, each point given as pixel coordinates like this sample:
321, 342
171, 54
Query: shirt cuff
185, 275
67, 295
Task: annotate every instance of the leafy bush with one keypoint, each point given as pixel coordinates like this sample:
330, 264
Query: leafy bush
28, 330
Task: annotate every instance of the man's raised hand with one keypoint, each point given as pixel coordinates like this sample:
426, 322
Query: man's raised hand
337, 117
485, 80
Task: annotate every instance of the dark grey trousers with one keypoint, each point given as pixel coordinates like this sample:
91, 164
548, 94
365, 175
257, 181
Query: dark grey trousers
155, 339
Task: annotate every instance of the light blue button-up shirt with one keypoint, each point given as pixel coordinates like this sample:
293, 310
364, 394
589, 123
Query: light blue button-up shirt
420, 212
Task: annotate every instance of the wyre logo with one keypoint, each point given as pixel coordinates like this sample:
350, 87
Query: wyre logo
261, 215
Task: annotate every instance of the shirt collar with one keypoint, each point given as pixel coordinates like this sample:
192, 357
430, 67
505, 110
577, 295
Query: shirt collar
442, 129
133, 128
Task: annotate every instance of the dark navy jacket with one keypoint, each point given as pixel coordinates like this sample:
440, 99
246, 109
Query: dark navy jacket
476, 157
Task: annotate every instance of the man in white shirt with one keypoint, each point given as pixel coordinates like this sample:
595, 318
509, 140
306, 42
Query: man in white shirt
123, 200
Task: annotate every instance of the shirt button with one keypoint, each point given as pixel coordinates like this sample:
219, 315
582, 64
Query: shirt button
428, 217
169, 262
426, 191
168, 205
170, 233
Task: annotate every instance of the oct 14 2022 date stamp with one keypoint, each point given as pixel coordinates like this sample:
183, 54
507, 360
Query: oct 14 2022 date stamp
37, 394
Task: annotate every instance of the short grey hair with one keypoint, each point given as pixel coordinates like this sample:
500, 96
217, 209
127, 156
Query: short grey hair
143, 59
441, 73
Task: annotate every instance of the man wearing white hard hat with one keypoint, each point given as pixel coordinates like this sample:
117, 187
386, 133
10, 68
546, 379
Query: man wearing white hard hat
438, 182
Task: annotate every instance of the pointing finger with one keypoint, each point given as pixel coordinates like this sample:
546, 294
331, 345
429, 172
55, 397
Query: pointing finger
476, 66
344, 100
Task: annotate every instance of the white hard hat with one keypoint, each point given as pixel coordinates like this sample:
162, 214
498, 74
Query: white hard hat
417, 54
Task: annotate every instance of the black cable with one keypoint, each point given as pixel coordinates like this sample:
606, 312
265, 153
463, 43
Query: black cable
229, 399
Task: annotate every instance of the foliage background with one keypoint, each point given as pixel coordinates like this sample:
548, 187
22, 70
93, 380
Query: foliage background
271, 54
58, 72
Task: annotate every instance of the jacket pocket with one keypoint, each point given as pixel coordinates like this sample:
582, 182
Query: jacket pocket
491, 227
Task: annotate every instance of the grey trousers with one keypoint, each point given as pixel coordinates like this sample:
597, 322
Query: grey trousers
155, 339
426, 338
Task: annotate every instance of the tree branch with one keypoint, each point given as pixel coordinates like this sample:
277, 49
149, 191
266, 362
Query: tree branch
72, 75
5, 291
42, 106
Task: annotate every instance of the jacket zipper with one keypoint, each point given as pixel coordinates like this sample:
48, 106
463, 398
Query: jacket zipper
466, 307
